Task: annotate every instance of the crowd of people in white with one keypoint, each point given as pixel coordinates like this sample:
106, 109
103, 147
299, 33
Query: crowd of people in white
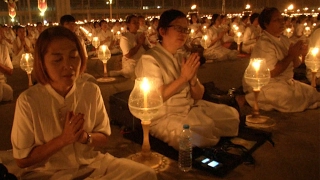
135, 35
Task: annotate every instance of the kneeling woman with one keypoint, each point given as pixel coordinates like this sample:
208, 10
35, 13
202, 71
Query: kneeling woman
181, 89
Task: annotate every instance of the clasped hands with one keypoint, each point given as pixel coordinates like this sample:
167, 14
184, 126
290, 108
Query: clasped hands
189, 68
73, 129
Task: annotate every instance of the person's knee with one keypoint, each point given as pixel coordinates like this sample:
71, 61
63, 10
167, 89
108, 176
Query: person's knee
7, 93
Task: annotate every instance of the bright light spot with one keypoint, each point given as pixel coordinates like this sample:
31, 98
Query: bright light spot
145, 86
248, 6
315, 51
41, 13
193, 7
290, 7
158, 7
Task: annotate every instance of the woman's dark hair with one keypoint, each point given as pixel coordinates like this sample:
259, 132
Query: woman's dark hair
253, 17
196, 15
265, 16
166, 18
129, 18
214, 18
42, 45
67, 18
301, 18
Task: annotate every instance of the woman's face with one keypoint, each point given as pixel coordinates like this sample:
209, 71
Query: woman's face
133, 25
218, 21
176, 33
21, 33
276, 25
194, 19
62, 63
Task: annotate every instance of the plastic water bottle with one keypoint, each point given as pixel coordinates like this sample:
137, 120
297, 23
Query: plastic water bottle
185, 149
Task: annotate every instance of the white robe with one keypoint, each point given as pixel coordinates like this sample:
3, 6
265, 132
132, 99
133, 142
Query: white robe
314, 42
217, 51
250, 38
208, 121
40, 116
6, 92
127, 42
282, 93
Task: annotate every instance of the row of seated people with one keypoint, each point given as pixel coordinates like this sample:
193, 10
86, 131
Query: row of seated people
59, 121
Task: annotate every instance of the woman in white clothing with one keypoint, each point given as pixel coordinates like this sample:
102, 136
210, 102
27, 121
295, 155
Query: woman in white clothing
216, 51
21, 45
251, 34
181, 89
133, 45
59, 121
282, 93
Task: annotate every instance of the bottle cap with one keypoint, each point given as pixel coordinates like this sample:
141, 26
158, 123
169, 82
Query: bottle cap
186, 126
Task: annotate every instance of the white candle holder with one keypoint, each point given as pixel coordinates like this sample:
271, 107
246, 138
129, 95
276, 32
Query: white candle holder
104, 55
95, 43
238, 38
257, 75
205, 42
288, 32
26, 64
144, 102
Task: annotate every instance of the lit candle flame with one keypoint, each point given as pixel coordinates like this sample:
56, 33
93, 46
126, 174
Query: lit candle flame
145, 86
256, 65
315, 51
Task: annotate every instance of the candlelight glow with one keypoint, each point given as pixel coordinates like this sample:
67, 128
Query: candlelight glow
145, 86
256, 65
315, 51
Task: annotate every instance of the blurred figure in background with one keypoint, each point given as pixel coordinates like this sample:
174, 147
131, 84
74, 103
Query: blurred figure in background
251, 34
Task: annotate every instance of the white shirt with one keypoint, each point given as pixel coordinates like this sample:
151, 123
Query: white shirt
128, 41
40, 116
5, 60
103, 35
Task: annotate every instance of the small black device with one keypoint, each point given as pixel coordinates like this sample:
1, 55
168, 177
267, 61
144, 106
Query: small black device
208, 163
218, 163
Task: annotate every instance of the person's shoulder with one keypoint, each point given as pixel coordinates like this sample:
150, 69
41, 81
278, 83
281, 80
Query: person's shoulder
33, 92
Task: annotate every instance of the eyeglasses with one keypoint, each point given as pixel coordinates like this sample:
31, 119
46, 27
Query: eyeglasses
181, 29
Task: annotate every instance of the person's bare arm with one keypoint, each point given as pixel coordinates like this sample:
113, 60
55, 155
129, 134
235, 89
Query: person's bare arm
5, 70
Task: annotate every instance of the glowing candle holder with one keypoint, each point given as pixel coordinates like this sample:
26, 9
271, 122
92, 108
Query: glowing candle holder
205, 42
192, 33
238, 38
26, 64
95, 43
257, 75
144, 102
312, 61
104, 55
204, 29
307, 31
288, 32
118, 35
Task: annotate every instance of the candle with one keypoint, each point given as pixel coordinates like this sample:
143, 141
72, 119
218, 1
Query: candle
27, 59
205, 37
256, 66
192, 33
239, 35
145, 86
104, 48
